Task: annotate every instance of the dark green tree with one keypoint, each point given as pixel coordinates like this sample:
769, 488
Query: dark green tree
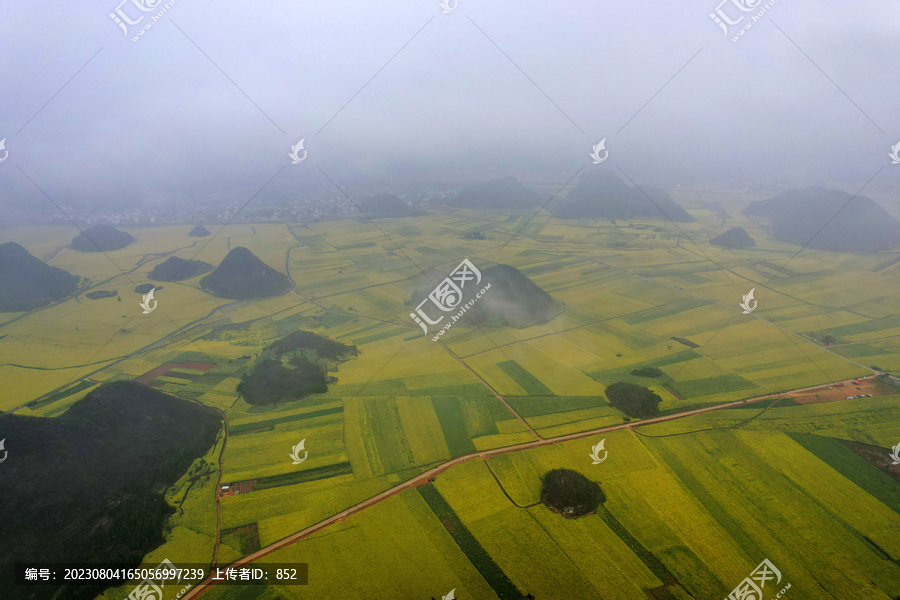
633, 400
570, 493
647, 372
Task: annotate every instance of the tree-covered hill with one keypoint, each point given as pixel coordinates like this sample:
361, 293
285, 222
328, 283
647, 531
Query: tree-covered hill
293, 367
179, 269
101, 238
499, 194
26, 282
602, 194
241, 275
826, 219
88, 486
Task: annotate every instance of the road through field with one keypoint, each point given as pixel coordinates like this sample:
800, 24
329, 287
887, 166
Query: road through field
250, 558
493, 391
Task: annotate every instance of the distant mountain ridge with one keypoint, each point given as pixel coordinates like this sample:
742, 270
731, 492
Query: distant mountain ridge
512, 301
101, 238
179, 269
199, 231
499, 194
26, 282
387, 205
602, 194
826, 219
735, 237
241, 275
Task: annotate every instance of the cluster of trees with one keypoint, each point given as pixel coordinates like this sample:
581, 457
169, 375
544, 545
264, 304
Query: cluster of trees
271, 381
289, 368
570, 493
648, 372
97, 294
633, 400
145, 288
307, 340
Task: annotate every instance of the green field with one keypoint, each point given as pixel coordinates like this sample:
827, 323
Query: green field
694, 504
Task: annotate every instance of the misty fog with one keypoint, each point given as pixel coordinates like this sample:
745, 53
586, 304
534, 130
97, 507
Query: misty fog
206, 105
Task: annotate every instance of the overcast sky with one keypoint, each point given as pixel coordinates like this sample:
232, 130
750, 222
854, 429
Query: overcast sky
493, 86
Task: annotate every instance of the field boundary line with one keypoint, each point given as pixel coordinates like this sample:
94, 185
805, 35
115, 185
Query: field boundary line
503, 489
491, 388
207, 583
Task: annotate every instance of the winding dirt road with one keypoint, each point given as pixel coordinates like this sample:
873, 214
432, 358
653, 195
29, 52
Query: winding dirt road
250, 558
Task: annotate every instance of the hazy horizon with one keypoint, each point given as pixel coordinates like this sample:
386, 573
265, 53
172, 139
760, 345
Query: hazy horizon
207, 104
